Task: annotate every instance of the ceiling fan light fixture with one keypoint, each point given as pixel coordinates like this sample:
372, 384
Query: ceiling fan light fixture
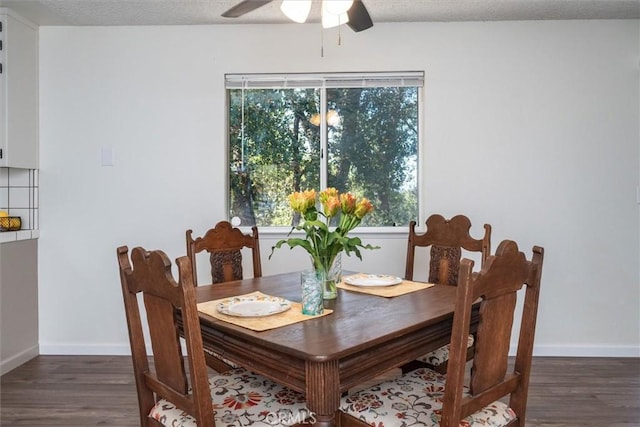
296, 10
357, 17
337, 7
330, 20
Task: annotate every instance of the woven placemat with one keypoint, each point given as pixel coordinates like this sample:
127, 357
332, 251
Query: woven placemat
405, 287
259, 324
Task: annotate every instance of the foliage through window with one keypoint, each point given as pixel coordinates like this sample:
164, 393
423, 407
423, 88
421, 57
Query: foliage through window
354, 132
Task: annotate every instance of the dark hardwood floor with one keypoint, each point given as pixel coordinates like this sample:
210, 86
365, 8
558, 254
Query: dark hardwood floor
100, 391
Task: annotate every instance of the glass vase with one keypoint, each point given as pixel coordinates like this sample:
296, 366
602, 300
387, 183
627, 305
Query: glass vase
330, 272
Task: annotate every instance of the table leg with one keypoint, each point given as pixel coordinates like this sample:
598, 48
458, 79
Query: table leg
323, 391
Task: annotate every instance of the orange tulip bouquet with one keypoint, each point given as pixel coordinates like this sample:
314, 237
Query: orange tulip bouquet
321, 242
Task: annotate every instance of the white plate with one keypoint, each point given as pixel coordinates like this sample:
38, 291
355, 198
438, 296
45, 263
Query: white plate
372, 280
253, 306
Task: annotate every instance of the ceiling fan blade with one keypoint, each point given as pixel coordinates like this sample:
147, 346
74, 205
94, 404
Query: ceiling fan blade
359, 18
245, 6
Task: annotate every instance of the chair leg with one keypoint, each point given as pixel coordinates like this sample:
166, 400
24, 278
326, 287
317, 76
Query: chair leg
413, 365
470, 352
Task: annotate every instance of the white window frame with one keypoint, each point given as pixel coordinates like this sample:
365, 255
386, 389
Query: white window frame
338, 80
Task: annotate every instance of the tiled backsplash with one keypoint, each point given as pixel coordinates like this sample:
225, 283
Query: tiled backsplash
19, 195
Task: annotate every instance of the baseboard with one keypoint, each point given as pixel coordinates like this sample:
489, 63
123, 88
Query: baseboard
9, 364
585, 350
539, 350
85, 350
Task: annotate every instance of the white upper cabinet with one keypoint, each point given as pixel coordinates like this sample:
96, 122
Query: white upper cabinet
18, 91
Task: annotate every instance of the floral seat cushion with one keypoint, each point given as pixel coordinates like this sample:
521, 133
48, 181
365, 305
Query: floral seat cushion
415, 399
241, 398
439, 356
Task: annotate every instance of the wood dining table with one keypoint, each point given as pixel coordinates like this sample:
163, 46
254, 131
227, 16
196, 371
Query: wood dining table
323, 357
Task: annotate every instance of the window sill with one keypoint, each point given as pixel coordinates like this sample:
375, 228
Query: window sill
377, 232
14, 236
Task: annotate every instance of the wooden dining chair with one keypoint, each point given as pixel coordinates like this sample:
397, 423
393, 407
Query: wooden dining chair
224, 243
446, 239
167, 395
425, 397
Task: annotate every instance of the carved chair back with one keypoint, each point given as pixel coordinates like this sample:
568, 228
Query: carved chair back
149, 273
224, 243
446, 239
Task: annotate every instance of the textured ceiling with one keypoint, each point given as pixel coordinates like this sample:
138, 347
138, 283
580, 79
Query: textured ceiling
195, 12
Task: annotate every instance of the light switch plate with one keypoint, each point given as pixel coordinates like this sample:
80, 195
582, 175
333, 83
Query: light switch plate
106, 156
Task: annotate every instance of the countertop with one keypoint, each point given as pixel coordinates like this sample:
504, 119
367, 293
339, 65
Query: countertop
12, 236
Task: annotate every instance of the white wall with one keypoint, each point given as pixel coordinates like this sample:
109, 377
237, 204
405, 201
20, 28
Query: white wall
530, 126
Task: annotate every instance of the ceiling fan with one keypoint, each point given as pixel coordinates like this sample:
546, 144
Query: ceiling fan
334, 12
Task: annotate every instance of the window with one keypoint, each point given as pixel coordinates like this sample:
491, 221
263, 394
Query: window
354, 132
